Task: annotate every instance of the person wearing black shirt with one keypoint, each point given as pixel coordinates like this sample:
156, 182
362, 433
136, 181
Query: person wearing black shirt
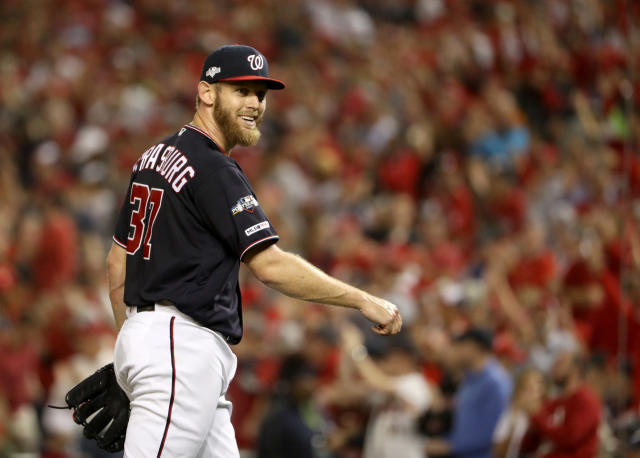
189, 218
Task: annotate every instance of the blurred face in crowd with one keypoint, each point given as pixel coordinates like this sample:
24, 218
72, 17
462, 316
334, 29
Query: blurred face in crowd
531, 383
238, 110
398, 362
563, 369
316, 348
466, 354
302, 388
533, 238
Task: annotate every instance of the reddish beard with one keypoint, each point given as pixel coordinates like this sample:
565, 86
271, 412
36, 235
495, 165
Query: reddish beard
234, 133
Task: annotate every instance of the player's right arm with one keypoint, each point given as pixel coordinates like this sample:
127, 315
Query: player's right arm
116, 271
292, 275
230, 208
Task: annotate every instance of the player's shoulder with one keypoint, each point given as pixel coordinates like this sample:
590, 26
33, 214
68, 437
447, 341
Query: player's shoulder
189, 145
201, 149
187, 156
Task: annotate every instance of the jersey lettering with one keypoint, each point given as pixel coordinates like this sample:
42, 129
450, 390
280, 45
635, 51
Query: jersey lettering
140, 162
170, 163
181, 179
144, 157
163, 157
155, 200
143, 197
166, 163
153, 157
177, 165
138, 197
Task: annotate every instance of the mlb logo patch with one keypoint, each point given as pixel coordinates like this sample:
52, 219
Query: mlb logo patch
256, 228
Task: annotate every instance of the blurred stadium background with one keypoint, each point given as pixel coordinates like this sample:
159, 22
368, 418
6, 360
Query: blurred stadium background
472, 161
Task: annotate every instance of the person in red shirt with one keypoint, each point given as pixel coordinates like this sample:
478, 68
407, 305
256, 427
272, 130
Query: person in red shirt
566, 426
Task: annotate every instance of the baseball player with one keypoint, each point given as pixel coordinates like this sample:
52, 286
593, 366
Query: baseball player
189, 218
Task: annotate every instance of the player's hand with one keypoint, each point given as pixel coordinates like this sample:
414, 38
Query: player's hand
383, 313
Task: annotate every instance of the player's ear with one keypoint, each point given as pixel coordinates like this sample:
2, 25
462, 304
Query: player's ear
207, 93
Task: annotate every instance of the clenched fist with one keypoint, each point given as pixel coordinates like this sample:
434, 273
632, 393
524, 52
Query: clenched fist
383, 313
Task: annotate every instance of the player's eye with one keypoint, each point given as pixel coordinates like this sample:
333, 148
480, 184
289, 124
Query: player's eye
243, 91
261, 95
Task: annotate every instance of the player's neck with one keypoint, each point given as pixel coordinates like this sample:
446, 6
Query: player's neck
207, 124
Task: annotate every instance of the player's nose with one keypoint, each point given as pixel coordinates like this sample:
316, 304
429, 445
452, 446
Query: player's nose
252, 101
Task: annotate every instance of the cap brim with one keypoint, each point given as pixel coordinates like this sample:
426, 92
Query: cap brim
271, 83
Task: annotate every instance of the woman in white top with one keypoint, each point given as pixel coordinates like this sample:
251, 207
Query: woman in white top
399, 394
527, 397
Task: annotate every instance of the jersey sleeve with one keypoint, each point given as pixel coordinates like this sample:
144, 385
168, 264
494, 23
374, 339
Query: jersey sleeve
230, 207
121, 234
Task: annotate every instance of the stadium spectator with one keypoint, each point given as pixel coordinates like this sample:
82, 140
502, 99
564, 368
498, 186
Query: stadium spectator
565, 426
293, 426
528, 395
472, 161
398, 392
481, 399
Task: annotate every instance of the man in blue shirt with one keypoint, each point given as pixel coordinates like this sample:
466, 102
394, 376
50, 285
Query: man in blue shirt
482, 397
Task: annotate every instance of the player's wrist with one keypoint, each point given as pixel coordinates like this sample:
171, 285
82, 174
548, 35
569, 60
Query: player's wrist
365, 302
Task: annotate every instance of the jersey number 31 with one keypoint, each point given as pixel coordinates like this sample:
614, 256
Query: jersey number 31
145, 200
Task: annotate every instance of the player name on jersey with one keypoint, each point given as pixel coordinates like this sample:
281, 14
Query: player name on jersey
169, 162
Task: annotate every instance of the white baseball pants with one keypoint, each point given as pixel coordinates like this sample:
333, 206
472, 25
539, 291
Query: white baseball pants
176, 374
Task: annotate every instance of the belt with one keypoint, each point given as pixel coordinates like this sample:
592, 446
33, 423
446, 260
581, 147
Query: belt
152, 308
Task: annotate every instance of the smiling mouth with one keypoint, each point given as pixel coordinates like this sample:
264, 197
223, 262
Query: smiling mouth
249, 121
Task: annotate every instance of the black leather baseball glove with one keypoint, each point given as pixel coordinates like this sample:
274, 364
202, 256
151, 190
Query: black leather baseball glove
101, 393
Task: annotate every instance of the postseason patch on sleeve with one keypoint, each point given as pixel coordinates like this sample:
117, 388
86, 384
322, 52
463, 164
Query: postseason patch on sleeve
256, 228
246, 203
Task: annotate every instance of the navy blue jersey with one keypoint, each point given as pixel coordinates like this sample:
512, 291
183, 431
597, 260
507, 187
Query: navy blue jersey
189, 217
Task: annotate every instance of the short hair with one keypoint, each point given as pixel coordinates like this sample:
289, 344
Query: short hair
296, 366
481, 337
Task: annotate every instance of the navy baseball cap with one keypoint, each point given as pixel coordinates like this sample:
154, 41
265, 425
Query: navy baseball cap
238, 63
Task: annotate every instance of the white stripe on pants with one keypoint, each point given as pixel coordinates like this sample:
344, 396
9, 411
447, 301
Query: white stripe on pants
200, 416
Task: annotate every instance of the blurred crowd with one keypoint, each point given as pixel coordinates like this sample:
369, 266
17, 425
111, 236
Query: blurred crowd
471, 161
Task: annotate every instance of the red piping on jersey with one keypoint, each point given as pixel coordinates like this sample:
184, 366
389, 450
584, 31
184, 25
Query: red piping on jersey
173, 386
259, 241
119, 242
192, 127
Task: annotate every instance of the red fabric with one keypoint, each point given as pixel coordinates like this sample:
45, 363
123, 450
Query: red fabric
17, 364
433, 373
8, 277
401, 172
246, 393
580, 275
511, 209
55, 260
605, 320
537, 270
460, 211
569, 424
451, 258
328, 370
599, 326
